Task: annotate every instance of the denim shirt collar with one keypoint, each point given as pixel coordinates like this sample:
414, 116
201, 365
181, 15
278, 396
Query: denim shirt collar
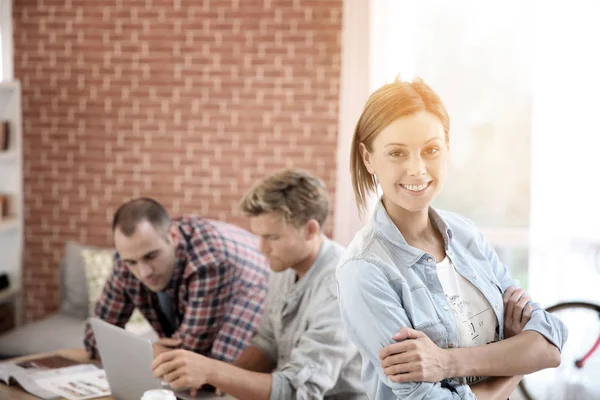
384, 227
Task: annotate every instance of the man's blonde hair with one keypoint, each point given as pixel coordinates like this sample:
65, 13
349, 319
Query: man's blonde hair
296, 193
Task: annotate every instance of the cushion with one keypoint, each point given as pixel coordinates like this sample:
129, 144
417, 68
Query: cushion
98, 264
74, 290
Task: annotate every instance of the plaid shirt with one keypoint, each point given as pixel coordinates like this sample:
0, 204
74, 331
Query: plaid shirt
218, 289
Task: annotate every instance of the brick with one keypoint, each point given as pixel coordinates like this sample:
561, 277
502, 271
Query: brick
186, 101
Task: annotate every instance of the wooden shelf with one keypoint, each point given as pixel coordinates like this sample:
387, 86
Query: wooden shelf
8, 224
8, 155
9, 294
11, 187
9, 86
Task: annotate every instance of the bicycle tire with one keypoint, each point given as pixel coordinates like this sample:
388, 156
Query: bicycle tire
558, 307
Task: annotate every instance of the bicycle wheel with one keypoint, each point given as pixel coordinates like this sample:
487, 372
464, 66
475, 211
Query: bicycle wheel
569, 381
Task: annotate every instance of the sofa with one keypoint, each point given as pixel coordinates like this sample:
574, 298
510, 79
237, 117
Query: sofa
65, 328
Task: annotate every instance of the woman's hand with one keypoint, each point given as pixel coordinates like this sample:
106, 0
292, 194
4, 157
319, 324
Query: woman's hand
517, 311
415, 358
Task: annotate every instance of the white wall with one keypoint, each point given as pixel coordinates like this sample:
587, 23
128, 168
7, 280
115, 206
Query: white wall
6, 41
354, 92
375, 49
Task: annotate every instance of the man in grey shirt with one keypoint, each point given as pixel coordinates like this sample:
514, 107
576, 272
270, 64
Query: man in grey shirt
300, 350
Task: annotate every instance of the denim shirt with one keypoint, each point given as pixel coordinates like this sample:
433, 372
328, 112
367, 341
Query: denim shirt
385, 284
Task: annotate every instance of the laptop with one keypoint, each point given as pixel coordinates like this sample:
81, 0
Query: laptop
127, 361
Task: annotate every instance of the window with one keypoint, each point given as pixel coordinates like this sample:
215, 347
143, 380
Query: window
480, 67
523, 104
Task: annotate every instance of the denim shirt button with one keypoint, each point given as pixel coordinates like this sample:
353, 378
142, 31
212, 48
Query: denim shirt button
445, 308
430, 260
497, 306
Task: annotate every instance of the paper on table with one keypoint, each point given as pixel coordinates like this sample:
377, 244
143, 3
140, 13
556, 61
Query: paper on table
80, 386
26, 374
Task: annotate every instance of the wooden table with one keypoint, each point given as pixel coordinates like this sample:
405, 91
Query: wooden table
16, 393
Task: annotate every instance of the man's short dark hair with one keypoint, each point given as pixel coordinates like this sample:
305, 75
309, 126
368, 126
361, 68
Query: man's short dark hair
131, 213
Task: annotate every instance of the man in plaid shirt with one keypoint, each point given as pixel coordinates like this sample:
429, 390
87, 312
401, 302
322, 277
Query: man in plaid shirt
200, 283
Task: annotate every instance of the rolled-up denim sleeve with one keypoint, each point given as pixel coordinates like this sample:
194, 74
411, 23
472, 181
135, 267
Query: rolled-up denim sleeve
323, 350
372, 313
541, 321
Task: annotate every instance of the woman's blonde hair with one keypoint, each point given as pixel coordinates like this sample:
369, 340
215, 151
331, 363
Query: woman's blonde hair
388, 103
296, 193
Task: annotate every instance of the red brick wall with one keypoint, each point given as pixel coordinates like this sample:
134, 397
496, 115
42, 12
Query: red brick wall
186, 101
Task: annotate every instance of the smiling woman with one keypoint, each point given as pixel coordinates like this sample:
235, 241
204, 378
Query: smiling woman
427, 278
377, 133
409, 157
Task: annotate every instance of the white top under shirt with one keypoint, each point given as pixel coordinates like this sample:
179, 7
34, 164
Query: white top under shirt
475, 319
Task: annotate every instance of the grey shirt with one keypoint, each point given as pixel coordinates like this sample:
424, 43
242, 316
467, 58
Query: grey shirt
302, 331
